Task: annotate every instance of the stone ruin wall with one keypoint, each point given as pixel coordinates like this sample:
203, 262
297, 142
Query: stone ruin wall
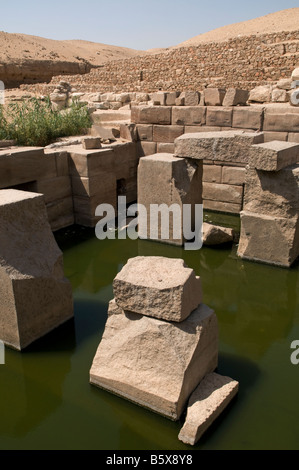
243, 62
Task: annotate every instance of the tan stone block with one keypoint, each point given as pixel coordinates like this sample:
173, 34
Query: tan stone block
171, 98
87, 205
151, 115
35, 296
195, 129
214, 96
219, 116
283, 122
162, 377
189, 115
163, 147
159, 98
89, 143
90, 162
54, 188
273, 156
233, 175
216, 235
158, 287
222, 192
191, 98
60, 212
293, 137
247, 117
145, 149
144, 132
219, 206
94, 185
128, 132
269, 239
235, 96
167, 134
206, 403
269, 136
212, 173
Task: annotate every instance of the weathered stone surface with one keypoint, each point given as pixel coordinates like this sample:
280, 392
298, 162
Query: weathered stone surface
128, 132
233, 175
90, 162
284, 84
159, 98
269, 136
269, 239
214, 96
215, 235
295, 74
206, 403
158, 287
293, 137
151, 114
106, 133
171, 98
279, 96
167, 134
35, 296
163, 147
273, 156
221, 206
60, 213
282, 122
229, 146
144, 132
212, 173
191, 98
261, 94
235, 96
164, 179
247, 118
146, 149
219, 116
189, 115
222, 192
54, 188
89, 143
154, 363
196, 129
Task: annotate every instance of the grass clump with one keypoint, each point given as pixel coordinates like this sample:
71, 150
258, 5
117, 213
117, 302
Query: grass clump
33, 122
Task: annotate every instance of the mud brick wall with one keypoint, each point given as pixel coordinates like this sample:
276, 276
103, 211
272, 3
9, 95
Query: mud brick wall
243, 62
223, 182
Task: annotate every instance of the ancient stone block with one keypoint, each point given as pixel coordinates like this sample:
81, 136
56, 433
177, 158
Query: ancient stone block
89, 143
195, 129
269, 136
163, 179
158, 287
273, 156
90, 162
216, 235
180, 101
154, 363
269, 239
128, 132
94, 185
212, 173
151, 115
167, 134
233, 175
295, 74
222, 192
189, 115
284, 84
191, 98
163, 147
145, 149
247, 118
230, 146
206, 403
235, 96
214, 96
35, 296
261, 94
279, 96
159, 98
219, 117
54, 188
282, 122
293, 137
60, 213
171, 98
144, 132
219, 206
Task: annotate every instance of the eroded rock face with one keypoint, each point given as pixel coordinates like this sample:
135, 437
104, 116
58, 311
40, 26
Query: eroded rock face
215, 235
158, 287
35, 296
155, 363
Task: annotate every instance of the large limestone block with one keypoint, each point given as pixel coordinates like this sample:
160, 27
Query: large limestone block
222, 192
219, 116
261, 94
281, 122
167, 133
273, 156
35, 296
215, 235
191, 98
214, 96
159, 287
225, 146
154, 363
151, 115
247, 118
269, 239
164, 180
206, 403
235, 96
189, 115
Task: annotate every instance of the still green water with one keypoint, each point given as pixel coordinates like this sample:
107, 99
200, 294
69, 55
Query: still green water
46, 401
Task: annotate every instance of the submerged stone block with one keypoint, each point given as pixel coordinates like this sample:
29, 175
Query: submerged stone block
35, 296
155, 363
159, 287
206, 403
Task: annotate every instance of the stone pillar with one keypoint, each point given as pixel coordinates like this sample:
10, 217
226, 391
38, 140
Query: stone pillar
35, 296
270, 219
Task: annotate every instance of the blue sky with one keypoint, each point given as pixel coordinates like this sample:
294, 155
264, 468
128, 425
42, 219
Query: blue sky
130, 23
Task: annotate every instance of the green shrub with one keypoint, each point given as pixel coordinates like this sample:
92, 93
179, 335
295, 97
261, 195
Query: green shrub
34, 123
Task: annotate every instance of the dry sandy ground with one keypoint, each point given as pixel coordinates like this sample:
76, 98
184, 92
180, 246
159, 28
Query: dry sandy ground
284, 20
16, 47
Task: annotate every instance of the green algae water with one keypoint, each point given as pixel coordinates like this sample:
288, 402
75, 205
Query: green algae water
46, 401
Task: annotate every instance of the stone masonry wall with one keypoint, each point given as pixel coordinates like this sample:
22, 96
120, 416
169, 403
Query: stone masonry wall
243, 62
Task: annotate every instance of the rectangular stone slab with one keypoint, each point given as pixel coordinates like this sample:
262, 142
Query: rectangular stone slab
206, 403
158, 287
273, 156
154, 363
